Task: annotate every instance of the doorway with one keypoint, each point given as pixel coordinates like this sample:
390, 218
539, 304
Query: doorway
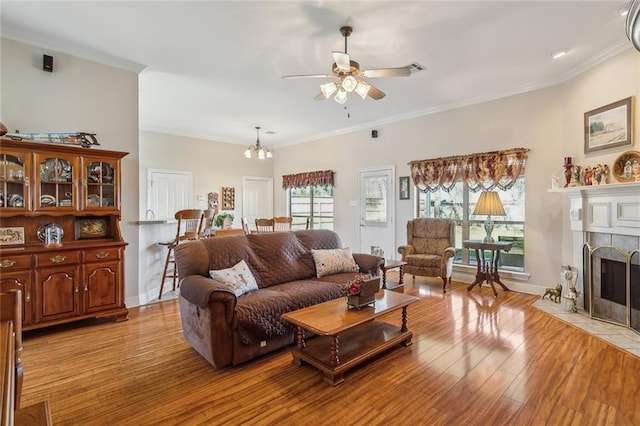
376, 208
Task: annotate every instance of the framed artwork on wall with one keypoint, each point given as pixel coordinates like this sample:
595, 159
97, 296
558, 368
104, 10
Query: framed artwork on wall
228, 198
91, 227
404, 188
609, 126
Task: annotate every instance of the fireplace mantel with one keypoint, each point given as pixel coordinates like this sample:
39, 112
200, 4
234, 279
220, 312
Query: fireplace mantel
612, 208
608, 209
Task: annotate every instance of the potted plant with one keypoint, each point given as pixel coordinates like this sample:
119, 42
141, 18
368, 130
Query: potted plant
220, 220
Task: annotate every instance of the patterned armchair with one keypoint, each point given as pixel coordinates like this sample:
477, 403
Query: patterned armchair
430, 248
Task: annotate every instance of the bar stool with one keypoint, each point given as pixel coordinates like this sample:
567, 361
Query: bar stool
188, 228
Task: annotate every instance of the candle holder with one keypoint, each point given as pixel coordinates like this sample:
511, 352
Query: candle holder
568, 172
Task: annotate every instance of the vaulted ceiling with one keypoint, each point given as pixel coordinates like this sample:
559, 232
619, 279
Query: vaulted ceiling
212, 69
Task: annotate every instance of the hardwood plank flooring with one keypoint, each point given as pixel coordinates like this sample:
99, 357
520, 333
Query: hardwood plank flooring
475, 360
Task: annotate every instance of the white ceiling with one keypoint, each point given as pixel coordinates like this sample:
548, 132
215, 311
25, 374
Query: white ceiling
212, 69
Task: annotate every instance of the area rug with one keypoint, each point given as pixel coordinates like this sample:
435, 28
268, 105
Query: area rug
619, 336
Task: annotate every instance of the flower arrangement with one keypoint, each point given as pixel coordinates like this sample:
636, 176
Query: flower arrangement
361, 290
354, 286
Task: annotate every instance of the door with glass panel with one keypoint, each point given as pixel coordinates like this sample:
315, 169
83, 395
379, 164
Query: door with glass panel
377, 207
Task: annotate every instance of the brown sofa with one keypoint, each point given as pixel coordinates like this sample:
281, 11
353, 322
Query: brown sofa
229, 330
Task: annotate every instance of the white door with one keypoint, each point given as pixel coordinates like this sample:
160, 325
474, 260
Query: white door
376, 207
168, 191
257, 198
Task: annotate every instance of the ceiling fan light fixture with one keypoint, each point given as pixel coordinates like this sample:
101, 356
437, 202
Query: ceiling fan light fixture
349, 83
328, 89
341, 96
362, 89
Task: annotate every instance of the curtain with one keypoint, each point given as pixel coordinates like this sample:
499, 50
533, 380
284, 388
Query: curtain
321, 178
481, 171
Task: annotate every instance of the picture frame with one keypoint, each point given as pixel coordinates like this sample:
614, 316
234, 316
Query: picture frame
91, 227
228, 198
404, 192
610, 126
11, 235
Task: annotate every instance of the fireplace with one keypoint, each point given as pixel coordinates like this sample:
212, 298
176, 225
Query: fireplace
608, 288
605, 225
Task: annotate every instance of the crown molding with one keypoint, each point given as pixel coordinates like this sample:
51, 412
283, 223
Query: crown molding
49, 43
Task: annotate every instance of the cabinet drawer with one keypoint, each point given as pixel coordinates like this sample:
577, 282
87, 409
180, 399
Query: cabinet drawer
102, 254
11, 263
57, 258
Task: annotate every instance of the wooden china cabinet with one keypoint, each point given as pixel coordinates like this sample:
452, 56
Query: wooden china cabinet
60, 239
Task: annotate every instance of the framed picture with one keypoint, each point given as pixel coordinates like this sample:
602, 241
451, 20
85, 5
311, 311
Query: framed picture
228, 198
609, 126
404, 188
11, 235
91, 227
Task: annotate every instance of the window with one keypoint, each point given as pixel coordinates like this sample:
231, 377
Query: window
458, 204
314, 202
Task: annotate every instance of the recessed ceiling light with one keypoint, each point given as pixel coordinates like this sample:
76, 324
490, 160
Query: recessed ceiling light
559, 53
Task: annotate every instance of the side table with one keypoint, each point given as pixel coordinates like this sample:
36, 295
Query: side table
391, 264
487, 269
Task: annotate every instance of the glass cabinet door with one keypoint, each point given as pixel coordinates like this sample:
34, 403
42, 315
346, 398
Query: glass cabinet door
100, 186
14, 182
56, 178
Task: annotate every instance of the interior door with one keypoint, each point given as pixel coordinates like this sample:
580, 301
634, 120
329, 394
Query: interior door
168, 191
257, 198
376, 207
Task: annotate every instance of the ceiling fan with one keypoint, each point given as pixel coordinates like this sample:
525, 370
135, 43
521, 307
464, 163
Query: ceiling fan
350, 78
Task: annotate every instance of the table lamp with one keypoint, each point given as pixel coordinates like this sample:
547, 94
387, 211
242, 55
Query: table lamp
489, 204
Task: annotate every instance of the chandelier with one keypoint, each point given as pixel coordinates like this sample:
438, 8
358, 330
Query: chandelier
347, 84
257, 149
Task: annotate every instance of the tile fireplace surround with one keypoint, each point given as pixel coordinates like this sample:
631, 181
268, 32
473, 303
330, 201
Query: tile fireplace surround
605, 224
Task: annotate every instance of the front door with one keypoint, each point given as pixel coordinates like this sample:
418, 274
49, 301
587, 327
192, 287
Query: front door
376, 207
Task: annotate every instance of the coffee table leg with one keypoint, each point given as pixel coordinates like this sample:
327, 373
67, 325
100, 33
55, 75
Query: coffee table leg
335, 359
301, 343
384, 277
400, 281
404, 320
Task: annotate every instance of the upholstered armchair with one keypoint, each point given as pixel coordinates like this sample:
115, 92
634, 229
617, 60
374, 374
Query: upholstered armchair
430, 248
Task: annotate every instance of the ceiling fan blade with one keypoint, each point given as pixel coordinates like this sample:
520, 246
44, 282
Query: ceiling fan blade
320, 97
376, 93
342, 61
308, 76
387, 72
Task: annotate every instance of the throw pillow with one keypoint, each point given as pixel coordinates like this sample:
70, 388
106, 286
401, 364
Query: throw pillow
333, 261
238, 278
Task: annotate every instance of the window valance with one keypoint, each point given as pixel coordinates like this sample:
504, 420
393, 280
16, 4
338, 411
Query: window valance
322, 178
481, 171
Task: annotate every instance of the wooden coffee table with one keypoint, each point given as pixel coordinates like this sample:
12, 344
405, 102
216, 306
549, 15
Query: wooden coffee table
348, 337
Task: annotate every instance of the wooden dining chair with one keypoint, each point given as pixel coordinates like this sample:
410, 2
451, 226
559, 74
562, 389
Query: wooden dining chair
245, 225
264, 225
188, 228
282, 223
11, 310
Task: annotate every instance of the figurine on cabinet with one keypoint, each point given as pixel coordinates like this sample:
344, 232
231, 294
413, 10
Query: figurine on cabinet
576, 175
587, 175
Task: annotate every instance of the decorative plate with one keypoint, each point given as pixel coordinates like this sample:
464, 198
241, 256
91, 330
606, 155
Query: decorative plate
93, 200
627, 166
15, 200
47, 200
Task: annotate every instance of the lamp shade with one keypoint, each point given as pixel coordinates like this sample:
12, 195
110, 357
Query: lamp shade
489, 204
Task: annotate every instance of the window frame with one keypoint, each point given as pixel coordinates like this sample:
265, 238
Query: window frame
312, 216
465, 223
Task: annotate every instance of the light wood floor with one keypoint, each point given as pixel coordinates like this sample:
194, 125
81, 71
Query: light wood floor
474, 360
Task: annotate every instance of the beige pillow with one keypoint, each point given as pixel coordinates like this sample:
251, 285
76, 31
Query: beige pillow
238, 278
333, 261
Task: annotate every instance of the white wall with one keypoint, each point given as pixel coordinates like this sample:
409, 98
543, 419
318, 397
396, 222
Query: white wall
78, 96
214, 165
547, 121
